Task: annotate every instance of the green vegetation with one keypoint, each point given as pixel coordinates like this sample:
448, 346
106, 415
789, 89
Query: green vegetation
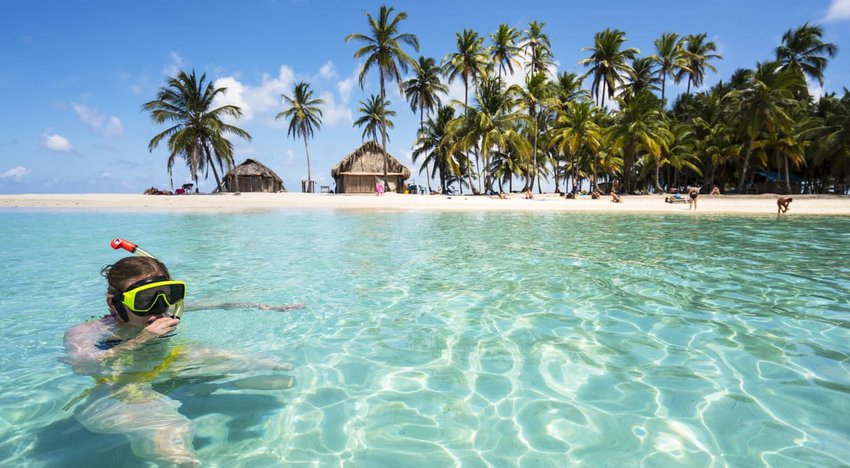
760, 130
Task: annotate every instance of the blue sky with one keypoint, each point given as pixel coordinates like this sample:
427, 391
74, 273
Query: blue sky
74, 74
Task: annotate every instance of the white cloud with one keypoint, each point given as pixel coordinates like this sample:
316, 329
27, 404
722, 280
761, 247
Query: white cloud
327, 71
334, 114
55, 142
17, 173
256, 99
174, 66
109, 126
345, 86
838, 10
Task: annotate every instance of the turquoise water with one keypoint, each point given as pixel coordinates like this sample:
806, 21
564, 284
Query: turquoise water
434, 339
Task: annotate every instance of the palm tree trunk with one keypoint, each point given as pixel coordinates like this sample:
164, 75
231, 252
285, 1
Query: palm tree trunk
215, 172
310, 188
384, 132
663, 85
422, 124
746, 166
658, 176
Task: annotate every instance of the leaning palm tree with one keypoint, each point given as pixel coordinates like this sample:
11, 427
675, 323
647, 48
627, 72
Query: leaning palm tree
802, 49
304, 114
198, 131
423, 91
537, 47
504, 50
698, 51
382, 49
670, 58
764, 106
374, 117
607, 62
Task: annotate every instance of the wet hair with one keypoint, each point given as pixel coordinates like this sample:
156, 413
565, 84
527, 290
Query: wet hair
120, 272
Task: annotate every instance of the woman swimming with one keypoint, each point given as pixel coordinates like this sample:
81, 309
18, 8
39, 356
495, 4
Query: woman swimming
126, 351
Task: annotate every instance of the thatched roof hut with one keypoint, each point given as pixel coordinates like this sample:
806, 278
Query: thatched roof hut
252, 176
359, 171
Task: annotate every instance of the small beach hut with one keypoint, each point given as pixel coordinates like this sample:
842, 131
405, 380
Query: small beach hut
359, 171
252, 176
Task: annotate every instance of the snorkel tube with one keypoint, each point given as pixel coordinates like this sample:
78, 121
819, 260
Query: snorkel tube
119, 243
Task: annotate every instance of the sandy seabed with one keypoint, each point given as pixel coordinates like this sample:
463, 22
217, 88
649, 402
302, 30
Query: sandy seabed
229, 202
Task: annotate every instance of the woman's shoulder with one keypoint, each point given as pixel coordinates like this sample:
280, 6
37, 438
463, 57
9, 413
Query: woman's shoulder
101, 325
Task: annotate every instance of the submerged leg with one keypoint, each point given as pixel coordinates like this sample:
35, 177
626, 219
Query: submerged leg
157, 431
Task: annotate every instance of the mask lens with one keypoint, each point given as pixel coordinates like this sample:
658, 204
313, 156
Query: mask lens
146, 298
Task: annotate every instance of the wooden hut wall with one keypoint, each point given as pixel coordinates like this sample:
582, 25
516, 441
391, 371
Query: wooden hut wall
358, 184
236, 183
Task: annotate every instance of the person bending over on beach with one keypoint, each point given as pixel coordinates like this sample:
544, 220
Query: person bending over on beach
693, 193
616, 198
528, 195
127, 351
715, 190
782, 204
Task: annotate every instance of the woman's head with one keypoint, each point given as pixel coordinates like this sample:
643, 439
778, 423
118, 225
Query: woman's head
123, 274
128, 270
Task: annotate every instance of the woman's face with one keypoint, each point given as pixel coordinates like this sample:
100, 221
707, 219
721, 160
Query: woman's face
132, 318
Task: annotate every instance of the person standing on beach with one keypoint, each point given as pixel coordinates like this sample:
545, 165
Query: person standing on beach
782, 204
379, 188
693, 193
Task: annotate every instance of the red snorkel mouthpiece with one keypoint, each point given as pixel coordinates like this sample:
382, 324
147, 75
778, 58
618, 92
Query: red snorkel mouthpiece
119, 243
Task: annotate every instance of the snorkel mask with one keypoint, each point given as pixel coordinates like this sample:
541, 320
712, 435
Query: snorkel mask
151, 296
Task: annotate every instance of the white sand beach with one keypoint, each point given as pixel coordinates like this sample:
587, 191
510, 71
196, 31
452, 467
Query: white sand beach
719, 204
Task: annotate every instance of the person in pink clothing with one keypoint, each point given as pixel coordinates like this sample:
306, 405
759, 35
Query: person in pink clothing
379, 188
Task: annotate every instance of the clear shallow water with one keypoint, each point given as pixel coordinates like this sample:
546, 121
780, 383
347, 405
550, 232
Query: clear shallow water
477, 339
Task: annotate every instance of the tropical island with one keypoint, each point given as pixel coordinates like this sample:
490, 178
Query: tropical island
758, 131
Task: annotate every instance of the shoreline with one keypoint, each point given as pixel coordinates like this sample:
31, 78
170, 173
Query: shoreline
765, 204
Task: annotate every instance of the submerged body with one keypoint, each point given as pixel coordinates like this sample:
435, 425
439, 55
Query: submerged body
127, 351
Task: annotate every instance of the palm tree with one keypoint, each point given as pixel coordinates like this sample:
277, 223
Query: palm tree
469, 63
435, 142
504, 50
492, 125
803, 50
537, 47
382, 49
698, 51
576, 129
764, 105
533, 97
304, 114
607, 62
639, 77
198, 131
374, 117
423, 91
639, 128
670, 58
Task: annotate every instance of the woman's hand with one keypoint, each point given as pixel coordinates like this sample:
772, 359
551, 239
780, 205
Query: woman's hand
158, 327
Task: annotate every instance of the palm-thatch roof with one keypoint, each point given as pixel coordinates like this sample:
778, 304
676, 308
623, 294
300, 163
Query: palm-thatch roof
253, 169
367, 160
